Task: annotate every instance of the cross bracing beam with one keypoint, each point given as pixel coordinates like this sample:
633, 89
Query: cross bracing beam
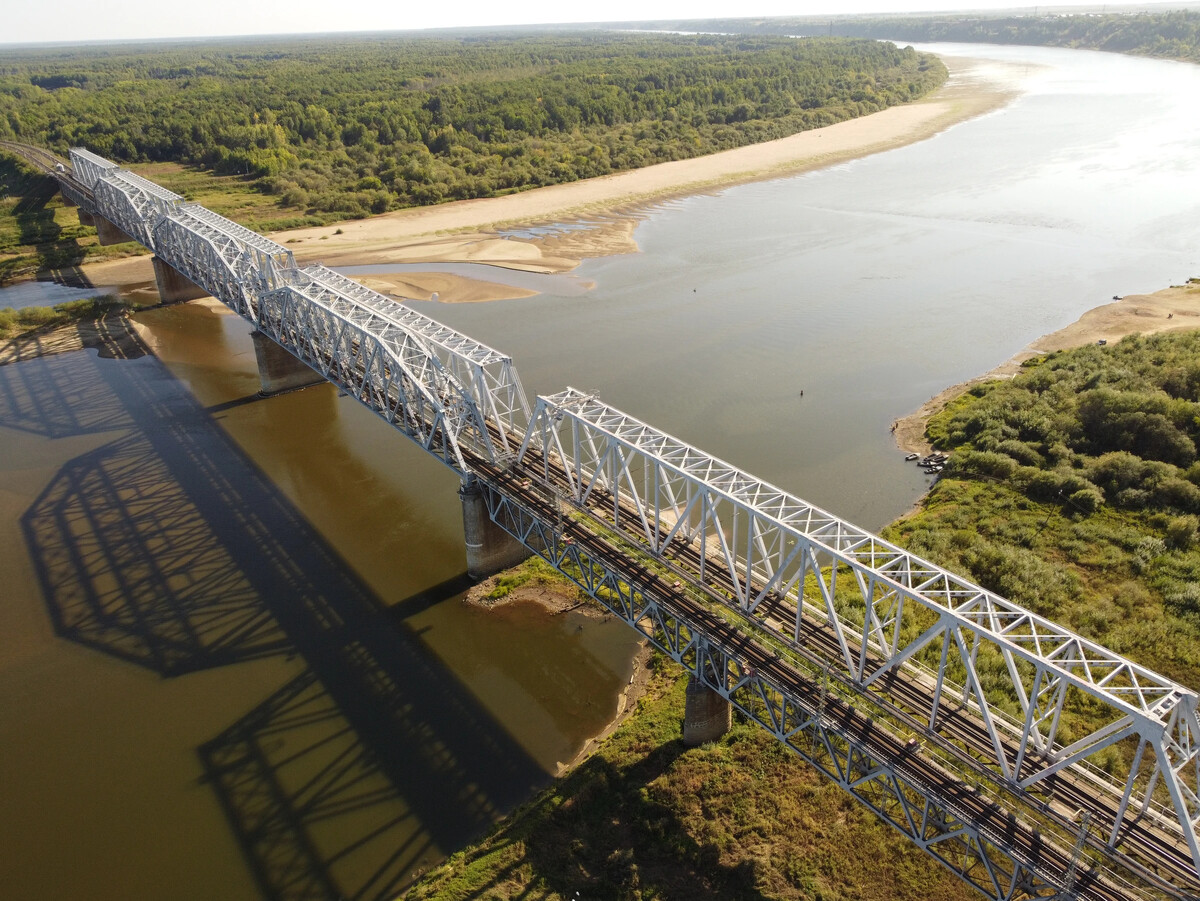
939, 811
878, 610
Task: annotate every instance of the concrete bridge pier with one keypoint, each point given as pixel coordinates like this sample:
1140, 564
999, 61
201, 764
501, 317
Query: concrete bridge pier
706, 715
278, 369
107, 233
85, 218
173, 286
489, 548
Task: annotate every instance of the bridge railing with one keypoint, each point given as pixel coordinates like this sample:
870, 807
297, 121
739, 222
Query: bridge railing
879, 609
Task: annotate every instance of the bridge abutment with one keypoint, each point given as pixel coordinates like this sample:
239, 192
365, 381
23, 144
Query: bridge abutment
278, 369
489, 548
107, 233
706, 715
174, 286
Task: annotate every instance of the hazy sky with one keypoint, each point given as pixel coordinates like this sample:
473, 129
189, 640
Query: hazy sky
84, 20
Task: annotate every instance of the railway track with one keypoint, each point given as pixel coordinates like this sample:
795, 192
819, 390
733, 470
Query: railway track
48, 164
1147, 851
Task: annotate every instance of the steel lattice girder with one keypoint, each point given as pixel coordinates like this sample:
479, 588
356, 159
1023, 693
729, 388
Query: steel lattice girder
89, 166
488, 375
133, 204
936, 818
779, 553
383, 366
232, 263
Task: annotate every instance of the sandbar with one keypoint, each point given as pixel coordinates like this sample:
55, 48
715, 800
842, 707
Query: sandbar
603, 211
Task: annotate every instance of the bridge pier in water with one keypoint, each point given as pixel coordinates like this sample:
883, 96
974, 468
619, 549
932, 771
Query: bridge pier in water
706, 715
174, 287
107, 233
489, 548
279, 370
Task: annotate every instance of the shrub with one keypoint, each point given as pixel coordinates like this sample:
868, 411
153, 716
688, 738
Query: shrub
1181, 532
1185, 601
1086, 500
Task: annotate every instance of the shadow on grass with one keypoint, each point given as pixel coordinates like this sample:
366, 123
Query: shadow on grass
37, 228
600, 834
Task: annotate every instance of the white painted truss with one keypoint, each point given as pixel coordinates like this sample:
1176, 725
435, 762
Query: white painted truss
232, 263
1004, 859
486, 374
988, 686
89, 166
375, 359
133, 204
874, 608
443, 389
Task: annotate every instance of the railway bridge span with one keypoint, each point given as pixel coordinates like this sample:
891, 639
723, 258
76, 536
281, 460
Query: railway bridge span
937, 704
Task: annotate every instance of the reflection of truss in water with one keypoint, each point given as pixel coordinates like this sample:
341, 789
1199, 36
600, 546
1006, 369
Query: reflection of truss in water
169, 548
315, 814
132, 567
59, 396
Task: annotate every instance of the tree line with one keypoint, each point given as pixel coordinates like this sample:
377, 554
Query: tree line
351, 126
1166, 35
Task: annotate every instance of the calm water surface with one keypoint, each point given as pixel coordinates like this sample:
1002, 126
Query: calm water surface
234, 656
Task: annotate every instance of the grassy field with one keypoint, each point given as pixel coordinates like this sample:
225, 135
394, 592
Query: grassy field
236, 197
645, 817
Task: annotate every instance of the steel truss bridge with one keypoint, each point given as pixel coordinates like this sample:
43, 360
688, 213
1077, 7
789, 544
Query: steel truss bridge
944, 708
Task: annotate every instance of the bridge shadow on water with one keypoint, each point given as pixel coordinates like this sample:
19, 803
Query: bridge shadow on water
167, 547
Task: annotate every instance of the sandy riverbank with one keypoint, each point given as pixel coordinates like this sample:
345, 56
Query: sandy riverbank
557, 598
1170, 309
603, 211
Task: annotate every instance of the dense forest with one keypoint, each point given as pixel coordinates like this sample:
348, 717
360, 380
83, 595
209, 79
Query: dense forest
1167, 35
352, 126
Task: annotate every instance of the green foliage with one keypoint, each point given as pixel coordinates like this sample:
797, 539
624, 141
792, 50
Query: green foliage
1071, 491
535, 570
347, 127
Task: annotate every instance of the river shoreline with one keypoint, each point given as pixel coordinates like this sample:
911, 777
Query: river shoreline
596, 217
1171, 309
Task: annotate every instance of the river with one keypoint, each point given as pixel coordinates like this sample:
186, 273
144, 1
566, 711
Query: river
235, 661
